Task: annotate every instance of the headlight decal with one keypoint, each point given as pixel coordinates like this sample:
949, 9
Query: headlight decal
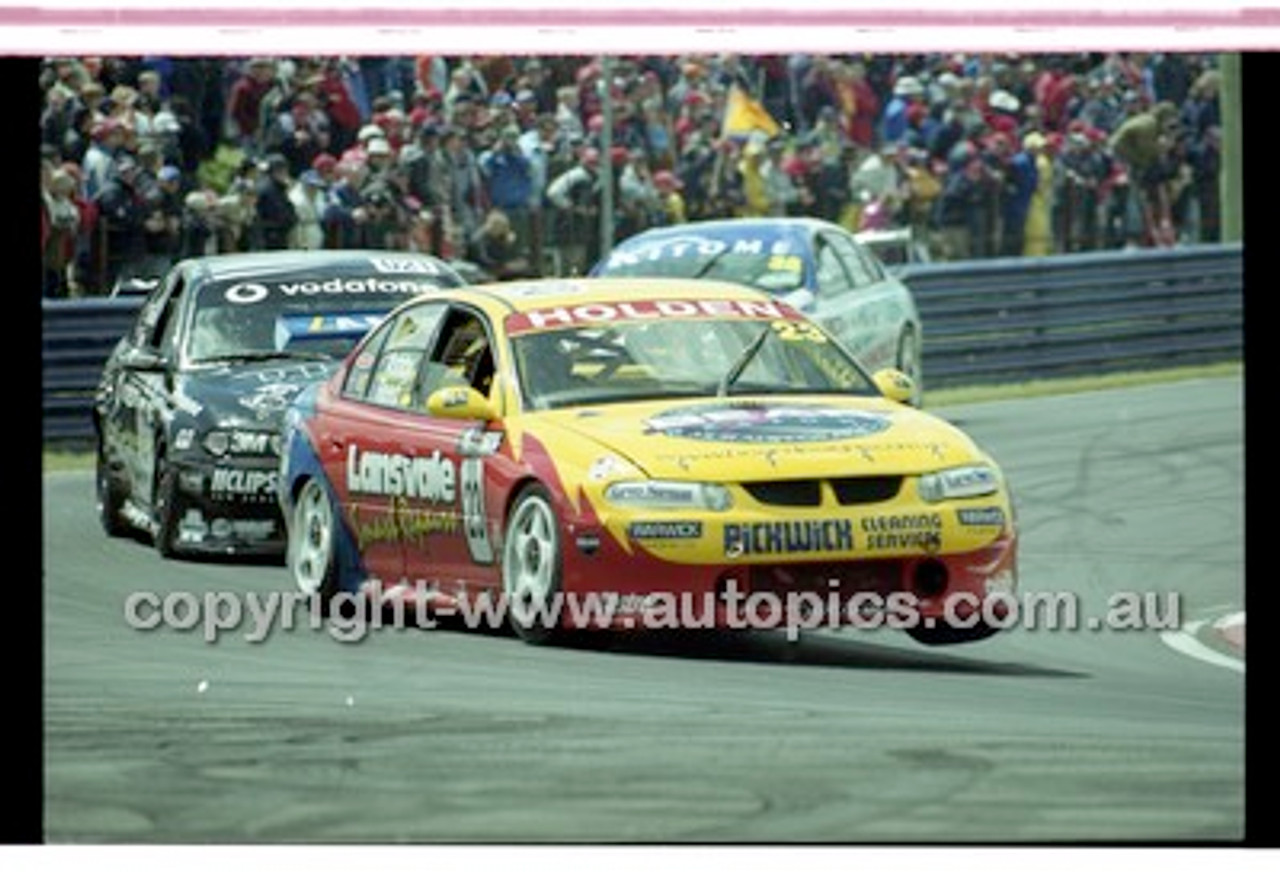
973, 480
670, 495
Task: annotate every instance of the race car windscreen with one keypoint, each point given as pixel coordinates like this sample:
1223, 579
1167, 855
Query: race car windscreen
670, 358
773, 266
323, 313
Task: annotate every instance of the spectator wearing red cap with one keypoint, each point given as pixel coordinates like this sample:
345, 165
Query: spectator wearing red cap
334, 98
1081, 196
300, 133
324, 163
961, 209
1019, 180
124, 211
668, 186
1002, 112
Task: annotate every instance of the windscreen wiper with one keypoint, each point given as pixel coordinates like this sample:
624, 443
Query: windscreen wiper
735, 371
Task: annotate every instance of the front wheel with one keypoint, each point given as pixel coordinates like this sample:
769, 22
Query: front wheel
311, 552
531, 567
166, 515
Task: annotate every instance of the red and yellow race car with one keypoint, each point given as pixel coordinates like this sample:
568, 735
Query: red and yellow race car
596, 453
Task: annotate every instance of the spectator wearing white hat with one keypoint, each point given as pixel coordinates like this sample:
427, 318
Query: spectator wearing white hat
907, 90
307, 195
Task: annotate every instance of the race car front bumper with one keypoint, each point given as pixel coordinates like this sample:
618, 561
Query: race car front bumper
229, 507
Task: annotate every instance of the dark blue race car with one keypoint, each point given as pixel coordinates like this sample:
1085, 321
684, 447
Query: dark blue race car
189, 410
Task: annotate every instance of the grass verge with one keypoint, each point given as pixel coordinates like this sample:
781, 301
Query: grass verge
960, 395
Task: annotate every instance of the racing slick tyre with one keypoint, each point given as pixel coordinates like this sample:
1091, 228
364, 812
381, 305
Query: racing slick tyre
945, 635
110, 500
166, 509
909, 363
531, 567
311, 552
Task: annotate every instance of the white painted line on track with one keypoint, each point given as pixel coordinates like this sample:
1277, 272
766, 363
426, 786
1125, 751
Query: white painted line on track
1185, 641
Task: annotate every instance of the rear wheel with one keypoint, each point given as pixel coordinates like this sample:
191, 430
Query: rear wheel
531, 567
311, 553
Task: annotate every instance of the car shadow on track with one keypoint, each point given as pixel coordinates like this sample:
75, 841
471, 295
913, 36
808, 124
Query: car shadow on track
820, 650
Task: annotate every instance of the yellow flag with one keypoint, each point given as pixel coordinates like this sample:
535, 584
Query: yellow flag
744, 116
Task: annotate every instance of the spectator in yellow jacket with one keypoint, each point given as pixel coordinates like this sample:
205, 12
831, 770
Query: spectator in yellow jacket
673, 207
1038, 229
755, 191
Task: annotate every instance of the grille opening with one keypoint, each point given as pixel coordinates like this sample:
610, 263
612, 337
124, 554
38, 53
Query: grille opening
882, 576
790, 493
866, 489
930, 578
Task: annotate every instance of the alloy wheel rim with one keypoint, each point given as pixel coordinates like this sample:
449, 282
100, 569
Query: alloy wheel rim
314, 534
529, 561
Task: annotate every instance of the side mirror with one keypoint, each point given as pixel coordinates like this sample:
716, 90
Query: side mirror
894, 385
136, 359
460, 403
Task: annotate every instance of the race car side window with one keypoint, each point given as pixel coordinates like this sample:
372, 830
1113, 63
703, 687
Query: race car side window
462, 356
409, 334
166, 335
863, 267
157, 309
360, 372
832, 277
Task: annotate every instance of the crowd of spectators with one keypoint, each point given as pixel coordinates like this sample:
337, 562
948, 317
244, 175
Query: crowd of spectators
497, 160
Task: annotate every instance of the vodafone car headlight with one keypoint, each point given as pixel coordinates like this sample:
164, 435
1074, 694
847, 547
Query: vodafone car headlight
971, 481
217, 442
669, 495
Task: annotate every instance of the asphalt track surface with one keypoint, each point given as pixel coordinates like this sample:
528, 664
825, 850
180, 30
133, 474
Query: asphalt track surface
847, 737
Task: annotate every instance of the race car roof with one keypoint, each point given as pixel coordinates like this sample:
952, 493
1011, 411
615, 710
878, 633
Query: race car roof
740, 228
283, 262
544, 293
